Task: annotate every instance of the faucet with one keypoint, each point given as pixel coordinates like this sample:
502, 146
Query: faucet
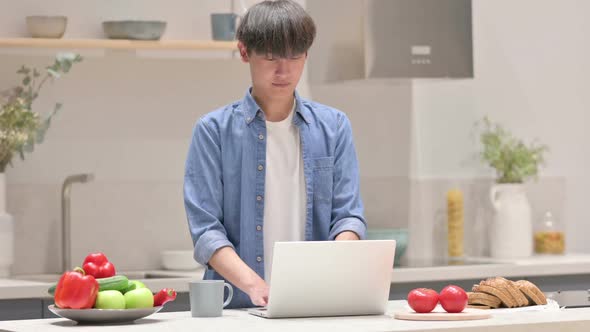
66, 251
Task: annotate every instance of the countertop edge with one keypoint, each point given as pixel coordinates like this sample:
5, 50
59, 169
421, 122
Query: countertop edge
465, 272
23, 289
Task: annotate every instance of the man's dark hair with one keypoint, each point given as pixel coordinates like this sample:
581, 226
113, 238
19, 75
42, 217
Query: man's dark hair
281, 28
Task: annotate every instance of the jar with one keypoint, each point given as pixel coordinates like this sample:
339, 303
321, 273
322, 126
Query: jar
549, 235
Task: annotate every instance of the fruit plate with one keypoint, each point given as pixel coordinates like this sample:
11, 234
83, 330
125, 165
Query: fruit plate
103, 316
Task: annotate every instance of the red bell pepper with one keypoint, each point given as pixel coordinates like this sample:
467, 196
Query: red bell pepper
75, 290
163, 296
98, 266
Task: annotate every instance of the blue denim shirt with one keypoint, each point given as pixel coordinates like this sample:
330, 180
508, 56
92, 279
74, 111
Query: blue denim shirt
224, 187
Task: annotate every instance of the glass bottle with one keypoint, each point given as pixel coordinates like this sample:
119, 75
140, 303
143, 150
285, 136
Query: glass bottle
549, 236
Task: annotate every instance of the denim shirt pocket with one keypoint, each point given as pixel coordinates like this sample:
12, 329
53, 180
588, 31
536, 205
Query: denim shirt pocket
323, 180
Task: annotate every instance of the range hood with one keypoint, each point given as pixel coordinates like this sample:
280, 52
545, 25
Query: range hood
377, 39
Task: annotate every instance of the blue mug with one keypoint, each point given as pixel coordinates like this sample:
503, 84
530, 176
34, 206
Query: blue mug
223, 26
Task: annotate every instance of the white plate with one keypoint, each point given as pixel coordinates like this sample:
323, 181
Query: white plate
103, 316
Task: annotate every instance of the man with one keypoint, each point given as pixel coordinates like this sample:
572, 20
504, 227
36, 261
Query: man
272, 166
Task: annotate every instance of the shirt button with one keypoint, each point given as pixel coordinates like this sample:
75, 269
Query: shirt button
260, 137
259, 198
259, 259
258, 228
260, 167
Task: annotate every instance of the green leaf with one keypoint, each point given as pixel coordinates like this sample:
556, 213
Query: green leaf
23, 70
40, 135
30, 145
66, 66
56, 109
513, 160
22, 128
53, 73
67, 57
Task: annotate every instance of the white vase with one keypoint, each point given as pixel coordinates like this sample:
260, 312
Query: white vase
511, 231
6, 232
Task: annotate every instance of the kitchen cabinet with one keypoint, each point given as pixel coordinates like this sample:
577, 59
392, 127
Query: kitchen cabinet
399, 291
16, 309
27, 298
46, 313
21, 309
181, 303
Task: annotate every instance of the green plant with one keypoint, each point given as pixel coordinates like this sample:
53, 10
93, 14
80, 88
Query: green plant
513, 160
20, 127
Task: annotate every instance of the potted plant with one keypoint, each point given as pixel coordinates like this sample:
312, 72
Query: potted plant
515, 162
20, 129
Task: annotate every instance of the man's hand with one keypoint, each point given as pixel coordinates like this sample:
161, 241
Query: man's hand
259, 294
227, 263
347, 236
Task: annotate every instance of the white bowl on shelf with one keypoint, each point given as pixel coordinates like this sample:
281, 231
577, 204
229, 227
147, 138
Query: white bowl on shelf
47, 26
179, 260
134, 30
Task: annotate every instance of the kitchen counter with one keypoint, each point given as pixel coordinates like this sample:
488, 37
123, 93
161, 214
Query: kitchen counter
24, 287
239, 320
571, 264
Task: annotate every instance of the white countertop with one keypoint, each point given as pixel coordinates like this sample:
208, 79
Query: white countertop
239, 320
534, 266
23, 289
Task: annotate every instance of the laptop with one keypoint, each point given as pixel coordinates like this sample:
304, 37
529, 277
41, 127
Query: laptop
329, 278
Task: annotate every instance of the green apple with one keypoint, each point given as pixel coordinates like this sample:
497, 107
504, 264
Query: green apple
138, 284
139, 298
110, 299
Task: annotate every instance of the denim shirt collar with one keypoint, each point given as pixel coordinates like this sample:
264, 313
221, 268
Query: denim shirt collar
251, 108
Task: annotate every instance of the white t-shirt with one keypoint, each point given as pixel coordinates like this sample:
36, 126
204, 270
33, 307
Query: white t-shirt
284, 191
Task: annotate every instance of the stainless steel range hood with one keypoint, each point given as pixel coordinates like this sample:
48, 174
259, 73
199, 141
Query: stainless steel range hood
376, 39
419, 38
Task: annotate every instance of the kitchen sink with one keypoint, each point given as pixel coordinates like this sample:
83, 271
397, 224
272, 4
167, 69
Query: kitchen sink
131, 275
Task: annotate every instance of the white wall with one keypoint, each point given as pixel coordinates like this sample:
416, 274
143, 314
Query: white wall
128, 120
532, 75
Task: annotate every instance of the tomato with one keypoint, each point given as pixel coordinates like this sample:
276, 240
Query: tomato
422, 300
453, 299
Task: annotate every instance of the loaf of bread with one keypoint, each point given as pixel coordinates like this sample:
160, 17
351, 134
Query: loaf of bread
500, 292
483, 299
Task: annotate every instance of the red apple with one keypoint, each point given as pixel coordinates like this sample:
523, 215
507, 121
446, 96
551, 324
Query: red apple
453, 299
422, 300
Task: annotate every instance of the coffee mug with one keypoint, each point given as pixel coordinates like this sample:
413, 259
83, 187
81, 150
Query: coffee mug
206, 297
223, 26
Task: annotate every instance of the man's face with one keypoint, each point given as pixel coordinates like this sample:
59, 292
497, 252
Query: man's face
273, 76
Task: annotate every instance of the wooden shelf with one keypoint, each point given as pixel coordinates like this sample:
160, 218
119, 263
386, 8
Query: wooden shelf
204, 45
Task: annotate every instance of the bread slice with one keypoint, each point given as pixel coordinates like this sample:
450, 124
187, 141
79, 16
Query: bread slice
498, 282
518, 295
483, 299
478, 306
500, 293
532, 292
